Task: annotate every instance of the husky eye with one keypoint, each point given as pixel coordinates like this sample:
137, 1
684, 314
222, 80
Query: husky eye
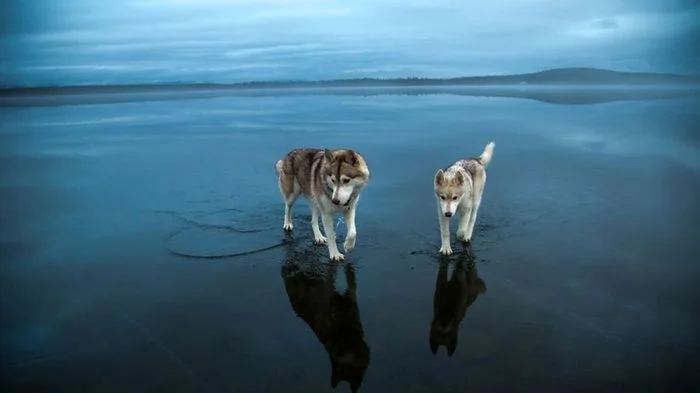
442, 197
454, 198
346, 180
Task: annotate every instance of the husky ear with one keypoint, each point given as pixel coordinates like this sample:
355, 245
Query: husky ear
459, 178
335, 378
451, 346
481, 286
355, 384
352, 156
439, 177
328, 154
433, 345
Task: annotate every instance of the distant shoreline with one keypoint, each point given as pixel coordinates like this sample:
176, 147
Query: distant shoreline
570, 78
568, 95
233, 88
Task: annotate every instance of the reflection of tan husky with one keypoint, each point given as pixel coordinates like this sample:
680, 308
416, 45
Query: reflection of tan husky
451, 300
331, 180
458, 189
333, 317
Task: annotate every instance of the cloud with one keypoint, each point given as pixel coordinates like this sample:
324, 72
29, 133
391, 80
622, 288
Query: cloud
272, 49
636, 25
605, 24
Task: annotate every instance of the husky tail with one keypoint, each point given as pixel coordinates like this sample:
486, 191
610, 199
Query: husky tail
279, 167
485, 157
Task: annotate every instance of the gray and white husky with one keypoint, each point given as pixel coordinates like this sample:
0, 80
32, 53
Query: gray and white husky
331, 180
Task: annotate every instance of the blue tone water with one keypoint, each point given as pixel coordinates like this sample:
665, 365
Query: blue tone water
582, 275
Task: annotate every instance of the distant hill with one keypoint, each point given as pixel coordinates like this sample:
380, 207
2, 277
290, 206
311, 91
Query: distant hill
567, 77
557, 76
581, 76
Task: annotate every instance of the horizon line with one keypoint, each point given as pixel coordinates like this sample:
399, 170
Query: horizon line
287, 82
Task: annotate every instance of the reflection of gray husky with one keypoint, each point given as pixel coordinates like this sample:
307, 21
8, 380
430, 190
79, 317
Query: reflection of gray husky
451, 300
334, 317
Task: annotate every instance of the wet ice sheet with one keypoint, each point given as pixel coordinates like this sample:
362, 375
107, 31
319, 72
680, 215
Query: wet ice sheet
586, 242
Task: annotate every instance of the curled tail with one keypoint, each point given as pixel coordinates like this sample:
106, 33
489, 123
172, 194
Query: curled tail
279, 165
485, 157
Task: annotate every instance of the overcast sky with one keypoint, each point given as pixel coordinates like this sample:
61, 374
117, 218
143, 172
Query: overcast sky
131, 41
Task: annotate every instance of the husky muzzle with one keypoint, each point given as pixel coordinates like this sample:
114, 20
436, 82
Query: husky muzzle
336, 201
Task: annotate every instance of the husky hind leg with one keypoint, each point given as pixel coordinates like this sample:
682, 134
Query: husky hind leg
479, 184
290, 191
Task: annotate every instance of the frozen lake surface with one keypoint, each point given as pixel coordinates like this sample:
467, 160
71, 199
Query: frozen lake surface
117, 219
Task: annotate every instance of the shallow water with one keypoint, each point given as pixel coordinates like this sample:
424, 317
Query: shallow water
582, 274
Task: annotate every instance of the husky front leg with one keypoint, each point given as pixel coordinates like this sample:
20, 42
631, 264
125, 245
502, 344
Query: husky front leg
318, 237
327, 220
352, 231
445, 248
472, 221
465, 213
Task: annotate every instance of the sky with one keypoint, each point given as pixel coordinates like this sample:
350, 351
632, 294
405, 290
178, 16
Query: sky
67, 42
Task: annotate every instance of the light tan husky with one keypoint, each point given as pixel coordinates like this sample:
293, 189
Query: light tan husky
458, 189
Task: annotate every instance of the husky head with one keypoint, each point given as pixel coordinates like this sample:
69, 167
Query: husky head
345, 174
349, 361
449, 191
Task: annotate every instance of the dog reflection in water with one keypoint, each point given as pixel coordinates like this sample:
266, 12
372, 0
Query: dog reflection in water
333, 316
452, 298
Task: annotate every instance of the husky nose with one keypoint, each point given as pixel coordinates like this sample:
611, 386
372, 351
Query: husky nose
448, 214
336, 201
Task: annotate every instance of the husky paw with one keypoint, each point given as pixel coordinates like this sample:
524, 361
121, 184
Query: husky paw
287, 226
468, 237
446, 250
337, 256
320, 240
349, 243
461, 235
